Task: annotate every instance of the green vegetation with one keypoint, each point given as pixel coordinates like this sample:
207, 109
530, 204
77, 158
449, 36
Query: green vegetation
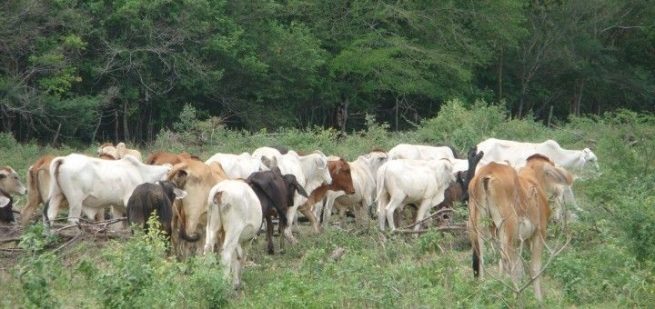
609, 263
97, 70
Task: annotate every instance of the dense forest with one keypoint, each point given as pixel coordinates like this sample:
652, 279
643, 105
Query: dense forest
96, 70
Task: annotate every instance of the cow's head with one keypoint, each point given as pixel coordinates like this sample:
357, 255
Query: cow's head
321, 164
107, 150
9, 181
590, 156
375, 159
197, 179
341, 176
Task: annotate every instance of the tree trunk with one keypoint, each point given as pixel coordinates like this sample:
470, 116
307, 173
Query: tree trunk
115, 126
126, 128
500, 75
396, 109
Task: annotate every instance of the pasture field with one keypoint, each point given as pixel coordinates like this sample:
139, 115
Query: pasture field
609, 262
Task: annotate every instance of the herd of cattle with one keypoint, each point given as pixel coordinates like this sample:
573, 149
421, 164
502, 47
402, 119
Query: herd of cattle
511, 189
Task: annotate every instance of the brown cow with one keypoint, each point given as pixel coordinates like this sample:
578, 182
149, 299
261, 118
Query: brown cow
9, 184
189, 215
341, 181
162, 157
276, 193
516, 205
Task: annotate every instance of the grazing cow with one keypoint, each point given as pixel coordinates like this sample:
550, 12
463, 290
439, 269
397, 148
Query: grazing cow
403, 181
516, 153
162, 157
276, 194
310, 170
340, 172
236, 213
237, 166
516, 206
155, 197
9, 184
96, 184
118, 152
196, 178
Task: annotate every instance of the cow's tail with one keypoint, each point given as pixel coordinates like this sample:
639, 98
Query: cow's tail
476, 205
33, 195
381, 196
55, 188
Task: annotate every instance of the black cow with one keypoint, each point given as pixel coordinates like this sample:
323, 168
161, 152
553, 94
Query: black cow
6, 210
275, 192
153, 197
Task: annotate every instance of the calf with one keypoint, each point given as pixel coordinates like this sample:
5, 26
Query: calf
341, 181
236, 213
153, 197
9, 184
516, 206
276, 194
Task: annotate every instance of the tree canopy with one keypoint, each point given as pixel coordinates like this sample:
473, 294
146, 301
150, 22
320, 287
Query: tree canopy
109, 70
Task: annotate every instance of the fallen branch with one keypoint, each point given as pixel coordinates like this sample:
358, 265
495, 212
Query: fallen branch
440, 211
9, 239
441, 228
72, 240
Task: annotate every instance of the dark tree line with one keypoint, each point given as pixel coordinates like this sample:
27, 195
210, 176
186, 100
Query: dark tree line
109, 70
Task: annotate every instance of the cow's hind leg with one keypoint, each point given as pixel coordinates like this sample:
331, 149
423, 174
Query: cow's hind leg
394, 202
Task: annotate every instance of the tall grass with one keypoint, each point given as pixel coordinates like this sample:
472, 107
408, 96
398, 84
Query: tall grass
608, 264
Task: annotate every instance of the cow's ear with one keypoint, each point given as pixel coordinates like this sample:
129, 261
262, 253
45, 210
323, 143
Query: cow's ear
270, 163
4, 201
217, 197
179, 193
179, 177
320, 162
558, 175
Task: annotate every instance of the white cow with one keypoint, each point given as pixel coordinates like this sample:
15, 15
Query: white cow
362, 171
403, 181
310, 170
423, 152
237, 166
516, 154
95, 184
420, 152
234, 210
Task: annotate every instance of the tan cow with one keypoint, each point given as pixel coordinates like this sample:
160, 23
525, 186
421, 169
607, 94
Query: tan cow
118, 152
516, 206
190, 213
162, 157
